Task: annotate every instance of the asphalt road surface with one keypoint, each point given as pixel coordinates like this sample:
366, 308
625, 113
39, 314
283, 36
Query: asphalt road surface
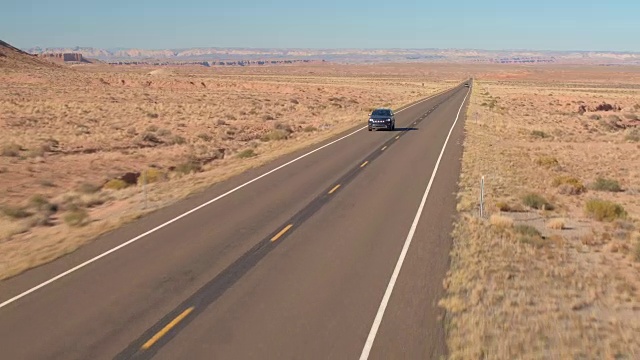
338, 252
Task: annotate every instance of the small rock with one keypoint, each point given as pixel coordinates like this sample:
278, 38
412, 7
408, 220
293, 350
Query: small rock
130, 178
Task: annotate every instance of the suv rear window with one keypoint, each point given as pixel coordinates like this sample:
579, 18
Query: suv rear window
381, 112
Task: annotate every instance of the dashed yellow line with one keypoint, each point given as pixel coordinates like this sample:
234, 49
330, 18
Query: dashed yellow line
397, 137
383, 148
166, 329
334, 189
364, 164
279, 235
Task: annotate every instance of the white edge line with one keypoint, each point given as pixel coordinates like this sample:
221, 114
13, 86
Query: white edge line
98, 257
396, 271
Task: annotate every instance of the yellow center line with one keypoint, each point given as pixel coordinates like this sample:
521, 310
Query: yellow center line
364, 164
334, 189
166, 329
383, 148
397, 137
278, 235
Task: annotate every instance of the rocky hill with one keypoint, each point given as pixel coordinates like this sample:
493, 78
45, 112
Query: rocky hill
14, 58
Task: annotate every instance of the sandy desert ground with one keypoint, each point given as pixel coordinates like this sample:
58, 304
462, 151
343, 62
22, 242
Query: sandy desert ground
552, 270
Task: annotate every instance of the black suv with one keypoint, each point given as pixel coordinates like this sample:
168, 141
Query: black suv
382, 118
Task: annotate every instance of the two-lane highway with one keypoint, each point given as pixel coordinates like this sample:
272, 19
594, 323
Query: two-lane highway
292, 260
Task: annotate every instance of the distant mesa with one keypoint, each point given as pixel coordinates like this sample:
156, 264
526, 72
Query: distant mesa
523, 60
218, 56
209, 63
65, 57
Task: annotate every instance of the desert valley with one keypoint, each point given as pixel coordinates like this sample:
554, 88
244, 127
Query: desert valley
88, 147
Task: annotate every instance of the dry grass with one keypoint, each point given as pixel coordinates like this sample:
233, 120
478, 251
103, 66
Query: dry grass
151, 176
547, 161
115, 184
569, 185
70, 134
556, 224
10, 150
76, 218
501, 221
604, 210
247, 153
559, 284
536, 201
602, 184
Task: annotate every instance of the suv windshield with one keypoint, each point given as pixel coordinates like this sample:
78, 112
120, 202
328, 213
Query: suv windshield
381, 112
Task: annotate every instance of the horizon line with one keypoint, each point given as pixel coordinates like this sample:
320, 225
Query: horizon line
323, 48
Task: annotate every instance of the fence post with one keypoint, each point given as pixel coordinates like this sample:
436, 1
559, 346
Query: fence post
482, 197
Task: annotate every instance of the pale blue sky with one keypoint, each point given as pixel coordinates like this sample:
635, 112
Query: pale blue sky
489, 24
